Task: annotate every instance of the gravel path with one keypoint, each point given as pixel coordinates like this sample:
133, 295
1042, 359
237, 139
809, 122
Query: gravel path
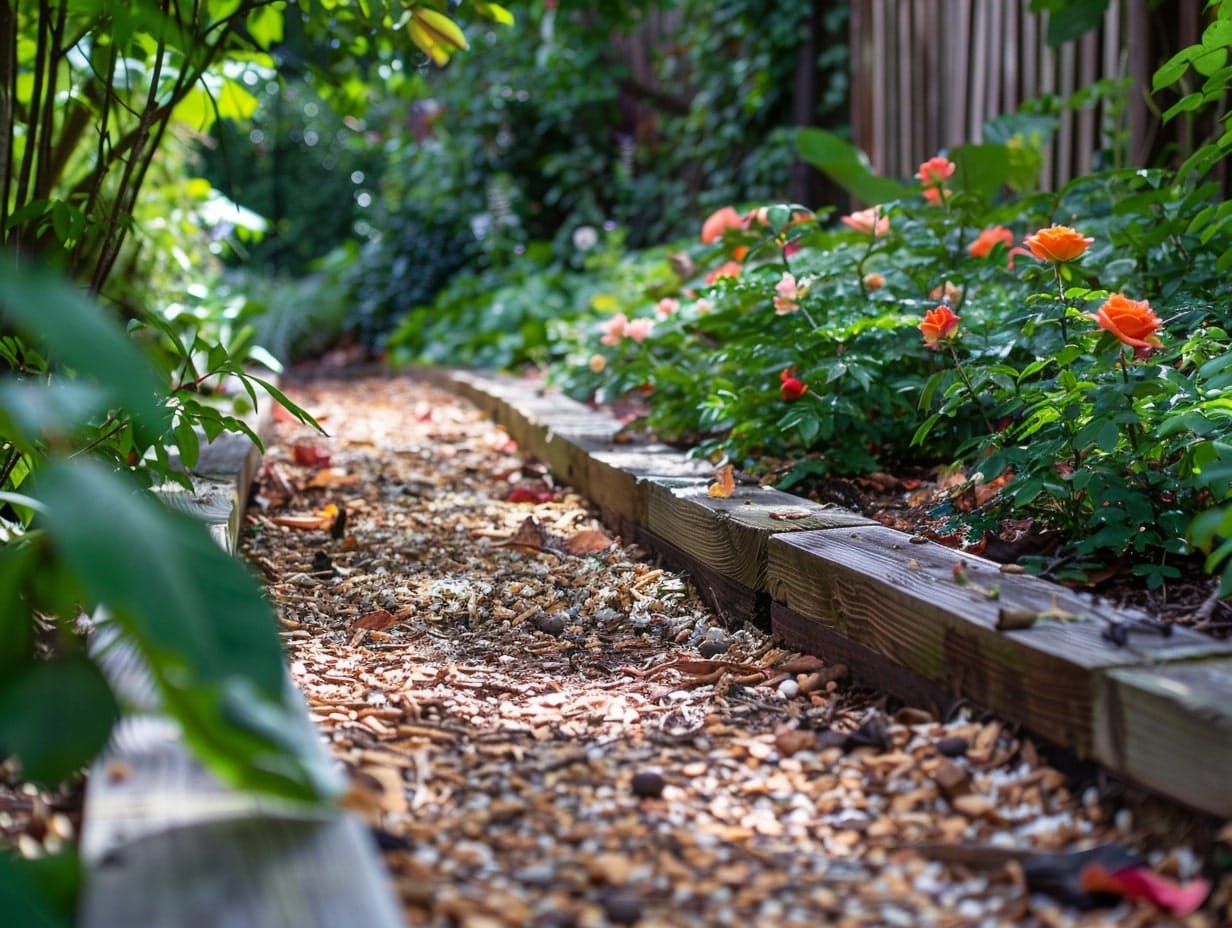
544, 727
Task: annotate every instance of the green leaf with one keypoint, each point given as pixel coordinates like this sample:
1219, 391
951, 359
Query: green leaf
847, 166
40, 893
1187, 104
982, 170
82, 337
265, 25
1171, 70
1070, 19
197, 617
56, 716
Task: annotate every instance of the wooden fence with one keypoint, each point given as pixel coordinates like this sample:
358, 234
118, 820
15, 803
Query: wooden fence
928, 74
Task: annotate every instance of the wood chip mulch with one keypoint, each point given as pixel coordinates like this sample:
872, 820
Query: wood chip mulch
545, 727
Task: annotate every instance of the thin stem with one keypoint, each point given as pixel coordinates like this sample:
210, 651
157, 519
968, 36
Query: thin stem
1056, 269
975, 397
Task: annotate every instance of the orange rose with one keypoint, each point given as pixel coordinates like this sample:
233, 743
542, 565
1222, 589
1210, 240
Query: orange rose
868, 221
939, 325
1132, 321
1058, 244
988, 239
719, 222
874, 281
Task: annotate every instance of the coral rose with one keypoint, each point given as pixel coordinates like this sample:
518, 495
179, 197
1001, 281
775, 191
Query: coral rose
936, 171
988, 239
614, 329
719, 222
1131, 321
667, 306
939, 326
1058, 244
874, 281
868, 221
788, 291
639, 329
728, 269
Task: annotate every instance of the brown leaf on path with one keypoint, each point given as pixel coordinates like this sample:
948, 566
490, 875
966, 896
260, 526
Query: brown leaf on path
589, 541
376, 621
308, 523
530, 538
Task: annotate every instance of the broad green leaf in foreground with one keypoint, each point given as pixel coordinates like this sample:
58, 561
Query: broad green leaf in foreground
56, 716
198, 618
85, 340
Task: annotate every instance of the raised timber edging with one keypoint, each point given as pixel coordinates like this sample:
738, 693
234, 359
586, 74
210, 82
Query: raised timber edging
917, 620
164, 844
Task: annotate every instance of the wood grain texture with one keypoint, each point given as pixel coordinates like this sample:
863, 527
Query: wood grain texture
901, 600
618, 480
1170, 728
867, 667
729, 535
164, 843
243, 873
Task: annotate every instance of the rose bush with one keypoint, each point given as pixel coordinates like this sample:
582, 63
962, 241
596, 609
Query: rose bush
1102, 456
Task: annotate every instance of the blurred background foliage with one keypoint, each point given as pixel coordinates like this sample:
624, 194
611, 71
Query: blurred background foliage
637, 116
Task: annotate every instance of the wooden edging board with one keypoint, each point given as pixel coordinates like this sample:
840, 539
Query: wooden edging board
165, 844
910, 616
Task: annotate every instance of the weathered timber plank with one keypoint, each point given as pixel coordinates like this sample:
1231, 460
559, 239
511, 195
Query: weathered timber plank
902, 600
619, 478
245, 873
559, 431
1170, 728
867, 667
729, 535
734, 602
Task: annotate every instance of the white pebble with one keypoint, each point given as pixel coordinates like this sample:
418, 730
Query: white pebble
789, 689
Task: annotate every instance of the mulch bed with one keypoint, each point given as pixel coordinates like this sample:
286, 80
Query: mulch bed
544, 727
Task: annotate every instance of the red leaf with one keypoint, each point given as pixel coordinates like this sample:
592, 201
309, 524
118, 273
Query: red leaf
529, 493
309, 455
1141, 884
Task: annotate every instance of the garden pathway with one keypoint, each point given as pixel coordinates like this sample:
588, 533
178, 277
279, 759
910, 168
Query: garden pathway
543, 727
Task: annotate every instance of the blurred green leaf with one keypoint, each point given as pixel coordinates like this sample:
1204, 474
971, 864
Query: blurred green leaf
56, 716
40, 893
199, 619
847, 166
84, 339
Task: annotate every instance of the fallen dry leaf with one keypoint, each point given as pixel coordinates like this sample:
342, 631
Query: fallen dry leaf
376, 621
530, 538
725, 482
332, 477
588, 541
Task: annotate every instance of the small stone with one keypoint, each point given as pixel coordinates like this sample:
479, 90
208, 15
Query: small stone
648, 784
952, 747
950, 778
712, 647
789, 689
622, 908
552, 624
